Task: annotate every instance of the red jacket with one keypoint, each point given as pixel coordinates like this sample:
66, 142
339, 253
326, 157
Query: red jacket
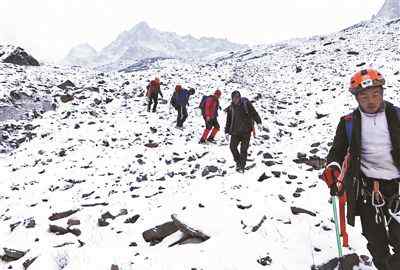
211, 107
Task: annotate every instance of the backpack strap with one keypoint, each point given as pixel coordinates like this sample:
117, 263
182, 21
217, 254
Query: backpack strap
349, 127
397, 112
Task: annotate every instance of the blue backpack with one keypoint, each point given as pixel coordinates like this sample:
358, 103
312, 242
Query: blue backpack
202, 104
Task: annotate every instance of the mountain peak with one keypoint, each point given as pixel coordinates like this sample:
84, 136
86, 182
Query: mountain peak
142, 26
390, 10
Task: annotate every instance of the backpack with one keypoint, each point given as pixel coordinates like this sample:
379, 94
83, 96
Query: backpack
151, 88
349, 124
202, 105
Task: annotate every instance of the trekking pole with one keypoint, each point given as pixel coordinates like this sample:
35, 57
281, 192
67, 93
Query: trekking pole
335, 217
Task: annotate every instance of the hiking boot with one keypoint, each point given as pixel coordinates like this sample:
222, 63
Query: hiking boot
211, 140
239, 168
202, 141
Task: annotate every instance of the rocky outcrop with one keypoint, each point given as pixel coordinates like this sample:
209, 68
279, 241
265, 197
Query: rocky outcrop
17, 56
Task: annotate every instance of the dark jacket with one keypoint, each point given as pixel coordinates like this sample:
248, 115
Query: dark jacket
339, 148
241, 117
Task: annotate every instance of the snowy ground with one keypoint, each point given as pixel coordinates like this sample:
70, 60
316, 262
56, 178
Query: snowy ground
92, 150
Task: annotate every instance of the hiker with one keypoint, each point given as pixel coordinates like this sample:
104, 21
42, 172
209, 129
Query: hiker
241, 116
153, 90
371, 136
209, 106
179, 100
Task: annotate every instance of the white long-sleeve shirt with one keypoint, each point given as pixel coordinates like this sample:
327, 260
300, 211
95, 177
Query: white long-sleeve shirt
376, 147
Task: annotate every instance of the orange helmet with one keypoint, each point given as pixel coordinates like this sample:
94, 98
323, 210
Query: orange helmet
365, 79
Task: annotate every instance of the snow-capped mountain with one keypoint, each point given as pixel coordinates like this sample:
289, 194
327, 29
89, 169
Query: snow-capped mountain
82, 183
16, 55
390, 10
143, 42
81, 55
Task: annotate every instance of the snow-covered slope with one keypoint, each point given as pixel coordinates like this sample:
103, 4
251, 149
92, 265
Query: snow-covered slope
390, 10
143, 42
94, 154
81, 55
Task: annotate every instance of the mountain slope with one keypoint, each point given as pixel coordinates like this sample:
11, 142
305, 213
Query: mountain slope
143, 42
81, 55
92, 154
390, 10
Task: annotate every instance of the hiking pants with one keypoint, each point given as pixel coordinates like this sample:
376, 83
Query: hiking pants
213, 123
244, 141
152, 99
378, 236
182, 115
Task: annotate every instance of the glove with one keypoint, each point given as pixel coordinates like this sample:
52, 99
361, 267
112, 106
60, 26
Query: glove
331, 175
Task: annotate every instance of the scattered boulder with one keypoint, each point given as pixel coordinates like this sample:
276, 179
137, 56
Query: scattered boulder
67, 85
347, 262
297, 210
61, 215
12, 255
66, 98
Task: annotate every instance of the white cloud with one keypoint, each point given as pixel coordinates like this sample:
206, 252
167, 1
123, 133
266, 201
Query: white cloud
51, 27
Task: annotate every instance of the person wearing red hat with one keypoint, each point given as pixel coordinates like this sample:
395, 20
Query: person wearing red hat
369, 138
210, 107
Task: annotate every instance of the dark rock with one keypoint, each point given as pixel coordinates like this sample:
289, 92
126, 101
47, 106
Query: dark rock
102, 222
66, 98
158, 233
66, 85
244, 207
319, 115
276, 174
61, 215
151, 145
28, 262
263, 177
267, 156
20, 57
73, 222
265, 261
209, 169
132, 220
353, 53
12, 255
297, 210
347, 262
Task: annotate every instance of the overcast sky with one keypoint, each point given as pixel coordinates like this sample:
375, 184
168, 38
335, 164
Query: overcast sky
50, 28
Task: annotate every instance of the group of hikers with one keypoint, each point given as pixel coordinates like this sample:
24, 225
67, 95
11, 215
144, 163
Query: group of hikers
241, 116
363, 164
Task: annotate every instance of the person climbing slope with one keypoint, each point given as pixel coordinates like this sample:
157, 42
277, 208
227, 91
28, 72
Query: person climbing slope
209, 106
180, 101
241, 116
153, 90
371, 136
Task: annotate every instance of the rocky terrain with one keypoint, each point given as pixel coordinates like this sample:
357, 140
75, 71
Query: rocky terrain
94, 181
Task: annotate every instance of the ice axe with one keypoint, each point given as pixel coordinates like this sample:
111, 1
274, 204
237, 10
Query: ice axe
338, 191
